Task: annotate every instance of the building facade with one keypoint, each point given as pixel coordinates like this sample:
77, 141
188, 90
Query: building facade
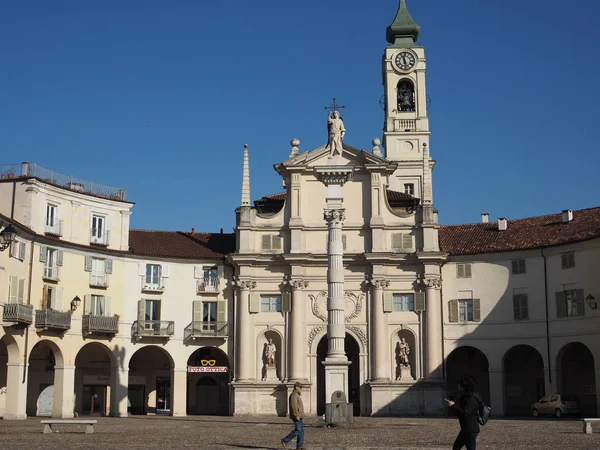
98, 318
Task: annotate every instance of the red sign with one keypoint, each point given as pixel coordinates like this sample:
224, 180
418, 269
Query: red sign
207, 369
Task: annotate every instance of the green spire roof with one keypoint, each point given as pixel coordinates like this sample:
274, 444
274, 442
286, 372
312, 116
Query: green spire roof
403, 31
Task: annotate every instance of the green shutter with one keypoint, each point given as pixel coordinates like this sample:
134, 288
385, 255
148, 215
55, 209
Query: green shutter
221, 312
266, 242
476, 310
467, 270
453, 310
141, 313
254, 306
516, 305
197, 312
420, 301
460, 271
286, 302
43, 251
524, 307
388, 302
580, 303
560, 304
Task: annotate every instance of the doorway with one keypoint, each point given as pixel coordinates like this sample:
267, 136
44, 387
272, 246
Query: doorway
94, 400
163, 395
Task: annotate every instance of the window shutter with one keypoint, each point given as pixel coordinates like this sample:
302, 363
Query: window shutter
420, 301
286, 302
476, 310
13, 286
14, 250
516, 305
43, 251
524, 307
22, 251
343, 242
388, 302
397, 241
45, 291
198, 272
87, 300
141, 310
560, 304
453, 310
580, 302
197, 311
266, 242
108, 266
460, 271
59, 258
515, 266
277, 241
21, 292
220, 271
407, 241
467, 270
142, 269
88, 264
254, 306
165, 270
107, 306
58, 299
221, 312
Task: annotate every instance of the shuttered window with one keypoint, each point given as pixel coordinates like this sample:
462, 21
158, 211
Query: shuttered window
271, 242
518, 266
570, 303
270, 303
567, 260
403, 302
402, 241
463, 270
520, 307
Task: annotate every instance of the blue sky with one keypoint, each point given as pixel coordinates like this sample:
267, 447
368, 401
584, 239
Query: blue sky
159, 97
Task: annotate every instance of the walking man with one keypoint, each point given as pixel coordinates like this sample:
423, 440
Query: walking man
467, 409
296, 414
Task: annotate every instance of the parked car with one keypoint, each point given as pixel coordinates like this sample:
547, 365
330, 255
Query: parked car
556, 405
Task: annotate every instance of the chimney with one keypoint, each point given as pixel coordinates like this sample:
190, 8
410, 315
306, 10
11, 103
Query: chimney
221, 230
502, 224
485, 217
193, 231
246, 178
567, 215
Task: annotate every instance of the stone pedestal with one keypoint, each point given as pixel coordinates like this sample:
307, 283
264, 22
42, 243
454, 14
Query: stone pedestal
405, 374
271, 374
336, 377
258, 399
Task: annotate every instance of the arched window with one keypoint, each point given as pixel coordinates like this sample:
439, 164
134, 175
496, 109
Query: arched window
406, 96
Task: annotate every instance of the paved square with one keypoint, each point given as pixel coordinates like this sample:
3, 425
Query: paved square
229, 433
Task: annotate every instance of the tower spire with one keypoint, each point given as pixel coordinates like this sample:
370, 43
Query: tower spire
404, 31
246, 178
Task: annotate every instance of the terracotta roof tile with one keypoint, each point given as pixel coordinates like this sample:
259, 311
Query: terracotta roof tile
521, 234
178, 244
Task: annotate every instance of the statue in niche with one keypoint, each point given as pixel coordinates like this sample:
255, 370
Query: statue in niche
270, 351
404, 352
336, 131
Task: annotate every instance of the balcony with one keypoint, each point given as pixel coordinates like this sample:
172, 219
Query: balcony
99, 324
208, 285
99, 281
18, 313
99, 236
157, 288
153, 328
206, 330
51, 319
51, 273
53, 226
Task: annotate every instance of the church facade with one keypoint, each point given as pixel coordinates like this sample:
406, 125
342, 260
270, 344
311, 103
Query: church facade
347, 268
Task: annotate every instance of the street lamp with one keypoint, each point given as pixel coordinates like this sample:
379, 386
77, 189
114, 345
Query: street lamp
75, 303
7, 236
591, 301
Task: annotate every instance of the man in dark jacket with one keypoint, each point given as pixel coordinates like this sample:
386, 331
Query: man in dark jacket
296, 414
467, 409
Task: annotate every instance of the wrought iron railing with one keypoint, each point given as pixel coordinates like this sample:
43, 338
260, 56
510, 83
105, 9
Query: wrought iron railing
53, 226
208, 285
154, 287
99, 236
156, 328
99, 324
206, 329
17, 312
49, 318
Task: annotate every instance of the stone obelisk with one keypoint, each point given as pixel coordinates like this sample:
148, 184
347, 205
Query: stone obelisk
334, 175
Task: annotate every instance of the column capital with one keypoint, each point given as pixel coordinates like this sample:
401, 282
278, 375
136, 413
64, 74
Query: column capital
433, 282
298, 284
379, 283
244, 284
334, 216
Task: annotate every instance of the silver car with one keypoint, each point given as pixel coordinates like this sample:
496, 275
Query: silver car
556, 405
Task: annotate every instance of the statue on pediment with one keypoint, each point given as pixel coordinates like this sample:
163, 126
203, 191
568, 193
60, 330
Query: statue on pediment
336, 131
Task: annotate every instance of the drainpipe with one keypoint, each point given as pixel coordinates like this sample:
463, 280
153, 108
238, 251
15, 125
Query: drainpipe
547, 318
12, 206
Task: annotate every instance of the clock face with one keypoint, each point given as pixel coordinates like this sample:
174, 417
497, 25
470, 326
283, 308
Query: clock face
405, 60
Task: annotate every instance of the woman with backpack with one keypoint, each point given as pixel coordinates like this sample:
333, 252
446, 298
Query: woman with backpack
467, 410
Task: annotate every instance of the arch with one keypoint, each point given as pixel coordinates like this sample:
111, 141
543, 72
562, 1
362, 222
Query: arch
150, 380
44, 356
411, 338
208, 392
576, 375
318, 332
94, 364
468, 360
9, 352
524, 384
352, 348
405, 92
262, 341
13, 351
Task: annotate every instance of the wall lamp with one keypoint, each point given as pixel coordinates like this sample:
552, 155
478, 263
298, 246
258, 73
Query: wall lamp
75, 303
7, 237
591, 301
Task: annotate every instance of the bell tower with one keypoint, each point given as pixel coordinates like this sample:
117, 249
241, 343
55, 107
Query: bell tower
406, 126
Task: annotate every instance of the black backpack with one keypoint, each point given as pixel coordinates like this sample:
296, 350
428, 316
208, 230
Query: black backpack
484, 413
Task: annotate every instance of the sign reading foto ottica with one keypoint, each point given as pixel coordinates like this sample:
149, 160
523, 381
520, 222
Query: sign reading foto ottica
208, 365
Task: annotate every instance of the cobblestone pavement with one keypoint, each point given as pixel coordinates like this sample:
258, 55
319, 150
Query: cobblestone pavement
231, 433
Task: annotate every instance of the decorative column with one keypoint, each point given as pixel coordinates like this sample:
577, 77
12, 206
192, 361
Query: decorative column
381, 350
119, 392
297, 332
63, 404
244, 343
433, 329
16, 392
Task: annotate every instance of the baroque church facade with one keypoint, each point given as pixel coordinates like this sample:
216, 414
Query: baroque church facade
349, 264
